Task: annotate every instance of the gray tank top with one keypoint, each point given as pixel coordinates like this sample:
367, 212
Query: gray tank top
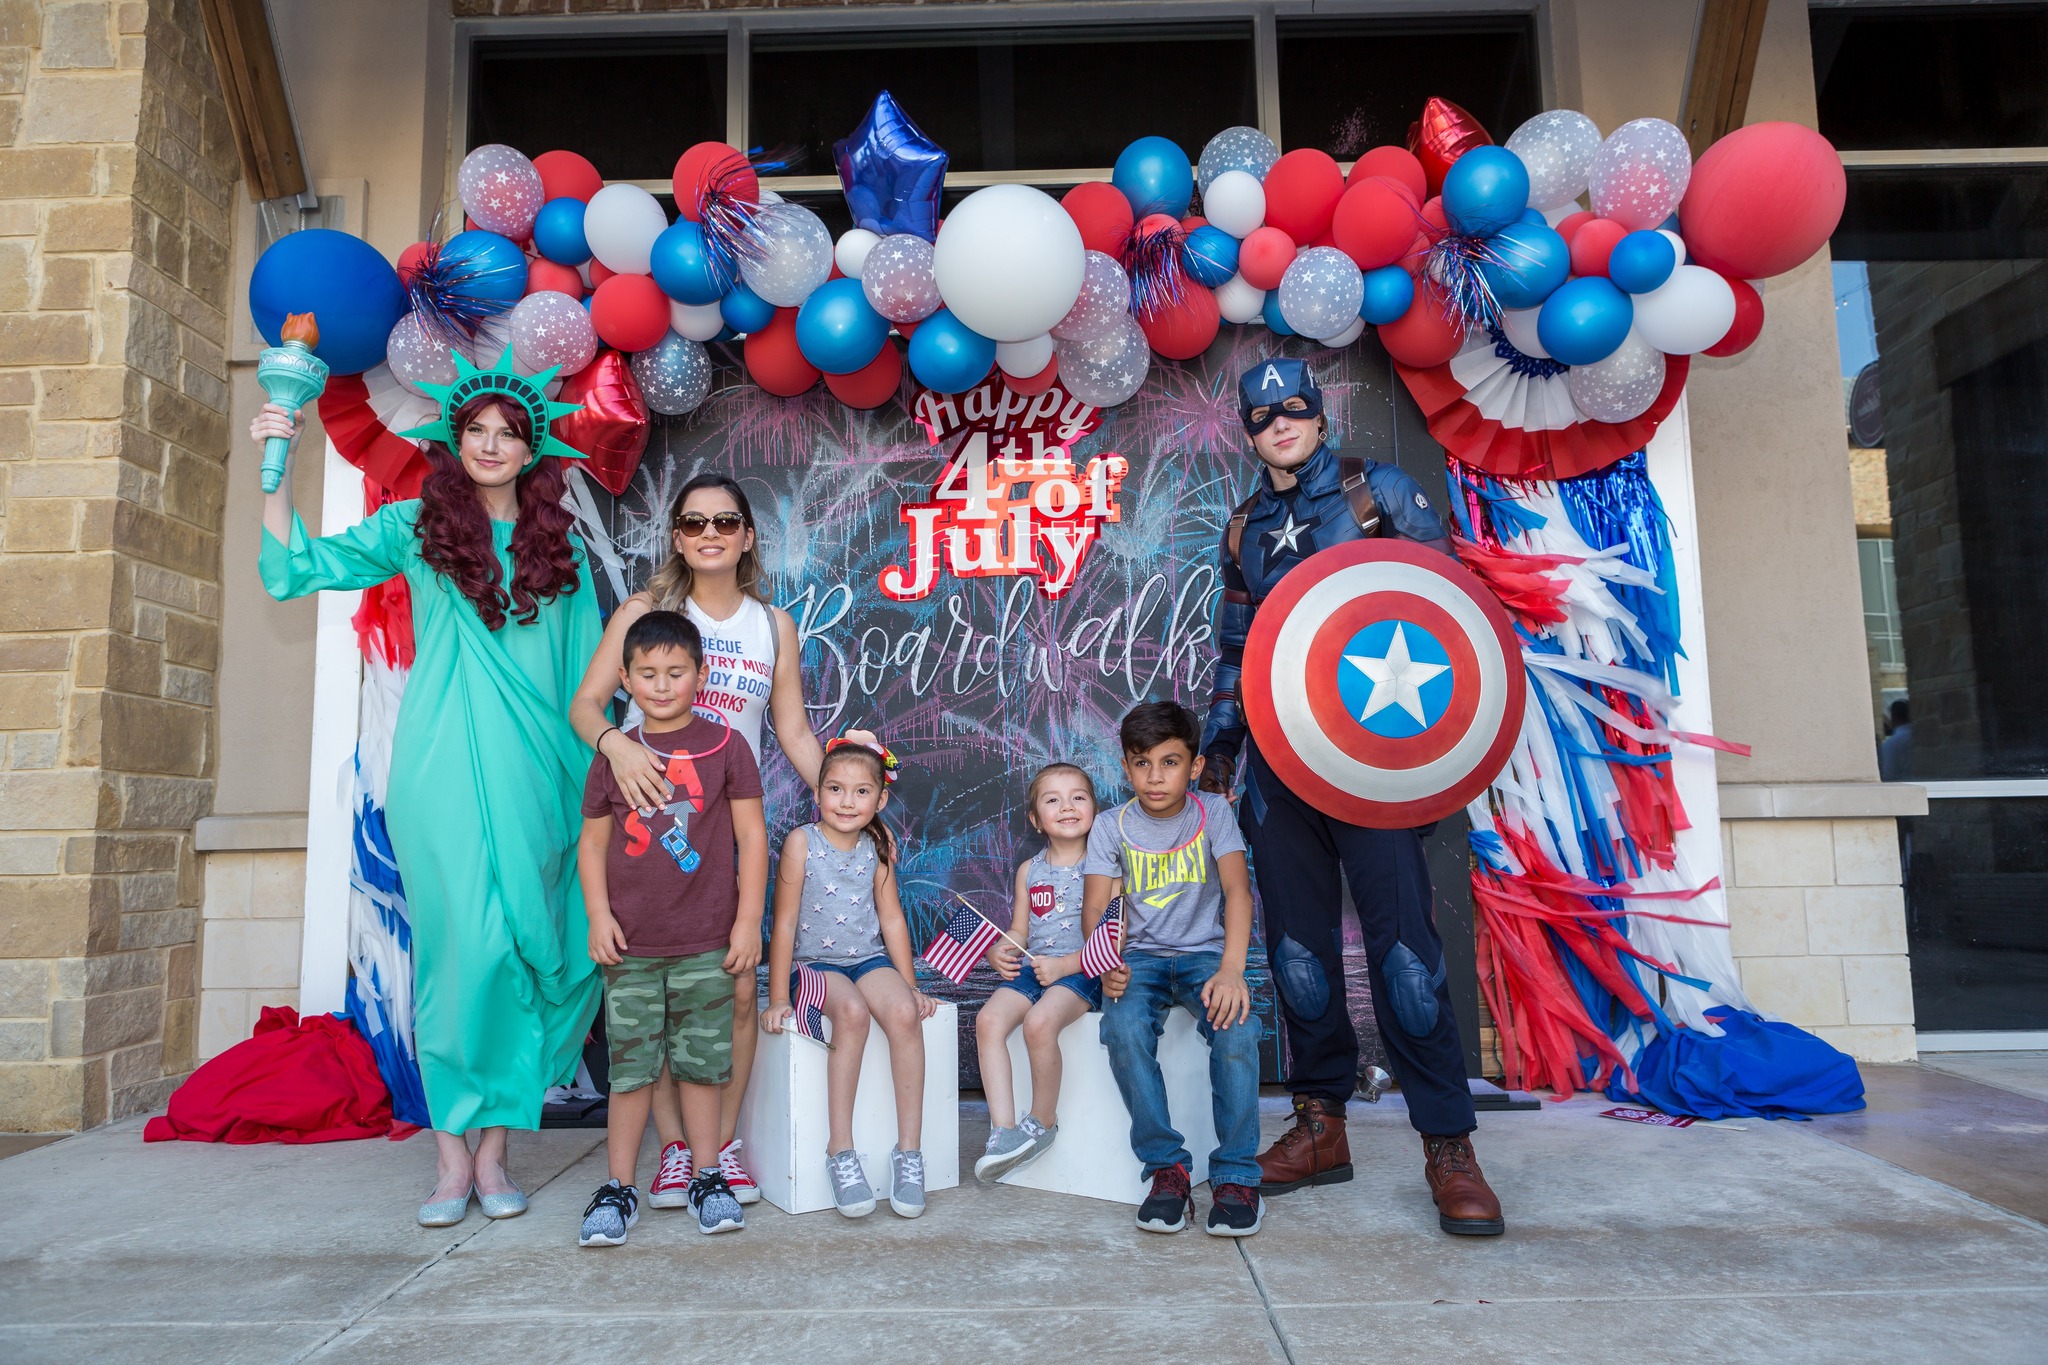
1053, 895
836, 921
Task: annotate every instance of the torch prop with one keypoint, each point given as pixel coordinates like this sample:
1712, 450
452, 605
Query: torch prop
291, 376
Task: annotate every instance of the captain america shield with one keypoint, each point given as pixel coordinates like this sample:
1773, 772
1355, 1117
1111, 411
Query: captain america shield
1383, 683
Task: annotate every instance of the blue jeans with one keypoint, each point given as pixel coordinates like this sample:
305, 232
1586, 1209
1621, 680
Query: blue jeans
1080, 983
1130, 1030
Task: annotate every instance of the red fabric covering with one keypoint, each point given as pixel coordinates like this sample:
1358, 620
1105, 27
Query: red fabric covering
293, 1080
1512, 453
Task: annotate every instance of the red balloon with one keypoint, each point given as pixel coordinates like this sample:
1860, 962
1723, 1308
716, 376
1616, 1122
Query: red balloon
1748, 324
1568, 226
775, 362
566, 175
1102, 213
1397, 164
1442, 135
1302, 190
1193, 221
906, 330
1433, 214
629, 312
1375, 221
712, 166
1428, 334
1154, 223
545, 275
1263, 257
409, 261
1037, 383
1593, 243
873, 384
612, 427
1183, 330
599, 272
1762, 200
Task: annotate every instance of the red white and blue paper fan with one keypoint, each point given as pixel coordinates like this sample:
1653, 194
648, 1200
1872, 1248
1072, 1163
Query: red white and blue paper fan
1512, 415
1383, 683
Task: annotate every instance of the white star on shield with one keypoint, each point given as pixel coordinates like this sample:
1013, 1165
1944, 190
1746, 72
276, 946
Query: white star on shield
1396, 678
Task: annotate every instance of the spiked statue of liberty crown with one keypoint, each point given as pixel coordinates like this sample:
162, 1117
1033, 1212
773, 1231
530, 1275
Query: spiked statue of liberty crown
500, 381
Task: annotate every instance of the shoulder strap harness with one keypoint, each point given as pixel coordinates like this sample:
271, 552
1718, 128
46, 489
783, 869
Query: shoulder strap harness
1357, 491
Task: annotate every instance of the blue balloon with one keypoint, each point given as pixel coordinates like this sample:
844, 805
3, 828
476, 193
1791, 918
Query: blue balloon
687, 267
1533, 216
351, 291
1531, 260
726, 334
745, 311
1484, 190
484, 265
946, 356
1388, 292
838, 330
1271, 309
891, 172
1671, 225
558, 232
1584, 321
1155, 175
1641, 261
1209, 255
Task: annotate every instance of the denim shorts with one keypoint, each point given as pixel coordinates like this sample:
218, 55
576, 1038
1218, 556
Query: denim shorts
1080, 983
852, 971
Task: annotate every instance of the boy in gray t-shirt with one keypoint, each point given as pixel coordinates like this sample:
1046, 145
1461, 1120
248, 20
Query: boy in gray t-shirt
1177, 858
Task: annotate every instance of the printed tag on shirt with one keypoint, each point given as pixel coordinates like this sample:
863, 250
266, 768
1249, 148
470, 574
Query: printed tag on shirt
1042, 900
1649, 1116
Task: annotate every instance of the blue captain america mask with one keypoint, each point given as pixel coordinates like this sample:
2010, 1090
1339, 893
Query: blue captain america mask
1264, 391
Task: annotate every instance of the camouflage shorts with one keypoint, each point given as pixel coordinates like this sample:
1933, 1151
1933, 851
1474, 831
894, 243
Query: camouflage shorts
677, 1009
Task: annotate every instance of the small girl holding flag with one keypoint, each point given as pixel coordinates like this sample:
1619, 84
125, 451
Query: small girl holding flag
837, 914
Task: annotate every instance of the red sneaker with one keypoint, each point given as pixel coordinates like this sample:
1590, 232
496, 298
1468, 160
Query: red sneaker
671, 1187
743, 1187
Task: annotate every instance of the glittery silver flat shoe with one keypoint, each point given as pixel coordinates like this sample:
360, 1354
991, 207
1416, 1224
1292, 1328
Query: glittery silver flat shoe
508, 1205
448, 1212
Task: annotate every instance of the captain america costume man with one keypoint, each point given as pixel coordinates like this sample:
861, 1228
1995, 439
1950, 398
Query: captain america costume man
1309, 499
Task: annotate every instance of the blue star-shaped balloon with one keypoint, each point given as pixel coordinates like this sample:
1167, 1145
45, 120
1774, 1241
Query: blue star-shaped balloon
892, 172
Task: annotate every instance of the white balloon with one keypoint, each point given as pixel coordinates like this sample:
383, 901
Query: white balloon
771, 197
852, 252
1106, 371
1104, 300
492, 340
1345, 337
795, 254
1519, 325
1558, 147
697, 321
1640, 173
1009, 262
1687, 313
1235, 202
620, 223
1677, 243
1622, 386
1239, 301
1023, 359
897, 278
1561, 212
1321, 292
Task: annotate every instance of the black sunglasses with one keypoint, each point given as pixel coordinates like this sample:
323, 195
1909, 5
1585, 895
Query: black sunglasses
692, 524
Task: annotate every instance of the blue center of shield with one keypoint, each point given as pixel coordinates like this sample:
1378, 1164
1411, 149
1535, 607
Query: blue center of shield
1395, 679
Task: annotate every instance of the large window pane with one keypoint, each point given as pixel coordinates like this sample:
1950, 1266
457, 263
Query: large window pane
630, 105
1979, 213
1932, 76
1977, 913
1001, 99
1350, 84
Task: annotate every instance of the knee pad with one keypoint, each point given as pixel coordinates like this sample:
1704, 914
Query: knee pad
1300, 977
1412, 989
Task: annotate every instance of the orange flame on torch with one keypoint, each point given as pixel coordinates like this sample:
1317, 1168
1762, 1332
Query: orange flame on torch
301, 328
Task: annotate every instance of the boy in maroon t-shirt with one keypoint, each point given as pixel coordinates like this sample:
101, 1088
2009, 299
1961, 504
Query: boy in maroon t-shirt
664, 889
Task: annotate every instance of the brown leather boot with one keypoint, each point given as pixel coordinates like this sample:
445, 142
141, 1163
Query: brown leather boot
1313, 1152
1465, 1204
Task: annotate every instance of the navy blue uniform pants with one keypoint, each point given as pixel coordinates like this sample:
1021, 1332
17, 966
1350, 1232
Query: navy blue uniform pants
1296, 853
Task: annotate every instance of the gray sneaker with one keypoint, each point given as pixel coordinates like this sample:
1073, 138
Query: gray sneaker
906, 1182
1009, 1148
850, 1192
611, 1212
717, 1210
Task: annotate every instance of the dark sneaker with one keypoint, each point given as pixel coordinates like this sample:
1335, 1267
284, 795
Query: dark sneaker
1237, 1211
718, 1210
611, 1211
1166, 1209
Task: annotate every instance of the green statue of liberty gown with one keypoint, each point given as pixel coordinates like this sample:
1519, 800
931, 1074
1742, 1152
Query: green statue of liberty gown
486, 780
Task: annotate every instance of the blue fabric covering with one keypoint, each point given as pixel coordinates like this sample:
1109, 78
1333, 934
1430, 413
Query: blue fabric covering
1758, 1068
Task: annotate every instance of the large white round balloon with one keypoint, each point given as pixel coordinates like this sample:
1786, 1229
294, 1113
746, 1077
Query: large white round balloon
852, 252
697, 321
794, 254
1240, 301
1009, 262
1687, 313
1023, 359
620, 223
1519, 326
1235, 202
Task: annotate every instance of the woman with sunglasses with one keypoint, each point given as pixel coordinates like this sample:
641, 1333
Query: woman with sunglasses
713, 576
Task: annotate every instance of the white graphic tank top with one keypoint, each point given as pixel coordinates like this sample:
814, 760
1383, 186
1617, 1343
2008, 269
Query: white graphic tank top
739, 666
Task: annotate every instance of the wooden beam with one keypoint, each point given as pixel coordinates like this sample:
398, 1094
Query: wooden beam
1723, 65
245, 58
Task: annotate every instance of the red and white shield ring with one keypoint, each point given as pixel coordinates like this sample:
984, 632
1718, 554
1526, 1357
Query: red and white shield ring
1383, 683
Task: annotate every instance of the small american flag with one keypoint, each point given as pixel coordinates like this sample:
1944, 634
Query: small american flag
809, 1009
960, 943
1102, 953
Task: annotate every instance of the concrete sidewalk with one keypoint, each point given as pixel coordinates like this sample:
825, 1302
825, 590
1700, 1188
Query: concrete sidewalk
1757, 1241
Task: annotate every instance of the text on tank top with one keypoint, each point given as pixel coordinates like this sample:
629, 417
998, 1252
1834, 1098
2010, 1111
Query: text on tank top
739, 667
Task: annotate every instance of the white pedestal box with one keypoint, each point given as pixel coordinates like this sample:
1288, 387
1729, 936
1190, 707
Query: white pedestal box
1092, 1155
783, 1117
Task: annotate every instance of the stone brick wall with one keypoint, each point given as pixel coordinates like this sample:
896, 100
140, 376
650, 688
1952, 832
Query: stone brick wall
116, 171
